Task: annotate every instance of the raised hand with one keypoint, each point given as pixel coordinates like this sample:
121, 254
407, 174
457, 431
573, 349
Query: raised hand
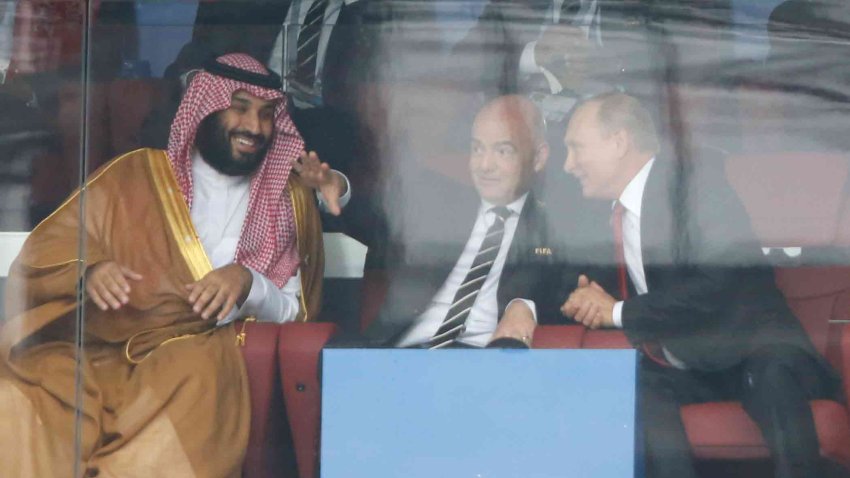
107, 284
318, 175
566, 52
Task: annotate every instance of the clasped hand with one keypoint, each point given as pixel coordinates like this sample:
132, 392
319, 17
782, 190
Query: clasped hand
590, 305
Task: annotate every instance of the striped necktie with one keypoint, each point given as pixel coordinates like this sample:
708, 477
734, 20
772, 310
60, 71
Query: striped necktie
455, 322
308, 44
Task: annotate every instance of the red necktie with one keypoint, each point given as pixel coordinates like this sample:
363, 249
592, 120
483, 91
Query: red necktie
619, 250
652, 350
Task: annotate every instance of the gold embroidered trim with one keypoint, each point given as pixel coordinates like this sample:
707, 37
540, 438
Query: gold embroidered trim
129, 343
242, 336
177, 216
298, 248
176, 213
89, 182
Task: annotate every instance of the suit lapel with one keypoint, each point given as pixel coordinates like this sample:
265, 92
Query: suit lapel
518, 261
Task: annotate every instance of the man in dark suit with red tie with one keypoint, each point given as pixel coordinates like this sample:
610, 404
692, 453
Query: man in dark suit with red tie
691, 290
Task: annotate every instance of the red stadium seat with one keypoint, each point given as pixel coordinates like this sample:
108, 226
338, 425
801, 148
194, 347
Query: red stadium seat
793, 199
299, 348
558, 337
817, 295
268, 423
605, 339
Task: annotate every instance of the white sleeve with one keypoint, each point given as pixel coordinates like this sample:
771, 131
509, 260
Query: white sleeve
527, 64
618, 314
268, 303
343, 200
7, 29
530, 304
276, 59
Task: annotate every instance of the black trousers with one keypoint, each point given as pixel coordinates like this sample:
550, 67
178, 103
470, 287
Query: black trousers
774, 385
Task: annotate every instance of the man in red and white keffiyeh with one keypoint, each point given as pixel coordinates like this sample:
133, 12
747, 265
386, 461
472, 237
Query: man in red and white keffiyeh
232, 148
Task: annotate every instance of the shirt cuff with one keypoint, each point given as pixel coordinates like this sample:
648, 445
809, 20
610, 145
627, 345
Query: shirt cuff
343, 200
528, 303
618, 315
259, 290
275, 62
5, 63
555, 86
255, 297
527, 64
266, 302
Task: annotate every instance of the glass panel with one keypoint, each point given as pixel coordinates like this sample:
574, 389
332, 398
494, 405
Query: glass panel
718, 125
46, 413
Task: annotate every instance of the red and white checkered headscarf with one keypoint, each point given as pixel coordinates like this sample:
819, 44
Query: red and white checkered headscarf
267, 243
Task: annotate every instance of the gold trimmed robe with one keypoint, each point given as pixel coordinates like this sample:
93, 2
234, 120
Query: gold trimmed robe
161, 391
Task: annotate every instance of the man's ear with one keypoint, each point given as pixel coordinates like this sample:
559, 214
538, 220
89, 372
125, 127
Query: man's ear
541, 155
622, 142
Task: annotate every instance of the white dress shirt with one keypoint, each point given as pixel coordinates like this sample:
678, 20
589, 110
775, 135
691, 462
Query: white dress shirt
295, 17
219, 208
587, 19
7, 29
632, 201
483, 317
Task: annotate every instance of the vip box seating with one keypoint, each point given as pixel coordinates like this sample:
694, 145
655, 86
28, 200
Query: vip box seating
799, 203
798, 207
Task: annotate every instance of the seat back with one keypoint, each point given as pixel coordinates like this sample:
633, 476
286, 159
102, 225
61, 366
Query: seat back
558, 337
299, 350
373, 291
794, 198
820, 298
605, 339
795, 201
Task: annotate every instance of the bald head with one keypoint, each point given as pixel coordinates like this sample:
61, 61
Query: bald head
520, 112
508, 148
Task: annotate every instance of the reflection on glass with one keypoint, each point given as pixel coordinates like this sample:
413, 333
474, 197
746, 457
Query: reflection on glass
430, 114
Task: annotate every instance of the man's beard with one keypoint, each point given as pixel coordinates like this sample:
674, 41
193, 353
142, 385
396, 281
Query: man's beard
214, 144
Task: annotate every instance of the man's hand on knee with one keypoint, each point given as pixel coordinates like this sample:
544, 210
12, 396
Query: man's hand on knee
108, 286
220, 291
518, 323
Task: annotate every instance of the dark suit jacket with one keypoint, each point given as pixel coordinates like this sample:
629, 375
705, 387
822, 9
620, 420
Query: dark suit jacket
487, 58
431, 240
712, 297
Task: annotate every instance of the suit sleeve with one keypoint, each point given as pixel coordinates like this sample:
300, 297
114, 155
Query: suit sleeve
717, 255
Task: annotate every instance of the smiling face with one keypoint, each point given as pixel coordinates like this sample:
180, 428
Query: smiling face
594, 155
504, 154
235, 141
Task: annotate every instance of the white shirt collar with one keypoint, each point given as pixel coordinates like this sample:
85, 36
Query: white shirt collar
632, 196
515, 207
201, 171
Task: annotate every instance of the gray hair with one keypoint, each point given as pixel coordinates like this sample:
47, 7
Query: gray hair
619, 111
